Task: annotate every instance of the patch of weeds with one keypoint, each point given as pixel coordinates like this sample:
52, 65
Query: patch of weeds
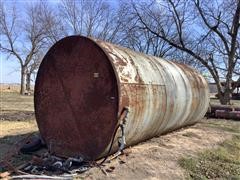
223, 162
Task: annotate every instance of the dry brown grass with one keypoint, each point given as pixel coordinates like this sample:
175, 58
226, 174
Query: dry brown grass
16, 120
9, 87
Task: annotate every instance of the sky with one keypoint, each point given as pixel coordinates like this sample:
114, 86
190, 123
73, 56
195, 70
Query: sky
9, 67
10, 72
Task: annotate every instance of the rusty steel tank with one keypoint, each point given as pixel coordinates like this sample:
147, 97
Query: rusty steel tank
83, 84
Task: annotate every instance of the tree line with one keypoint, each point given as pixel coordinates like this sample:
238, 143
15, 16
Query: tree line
200, 33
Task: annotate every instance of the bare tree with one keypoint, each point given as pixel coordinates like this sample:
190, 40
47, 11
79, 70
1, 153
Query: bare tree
25, 35
132, 35
71, 13
94, 18
206, 30
22, 38
53, 31
32, 69
54, 26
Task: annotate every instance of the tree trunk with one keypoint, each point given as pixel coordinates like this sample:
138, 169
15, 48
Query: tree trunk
23, 80
28, 81
225, 98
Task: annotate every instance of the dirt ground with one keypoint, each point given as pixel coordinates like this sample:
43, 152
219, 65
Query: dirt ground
157, 158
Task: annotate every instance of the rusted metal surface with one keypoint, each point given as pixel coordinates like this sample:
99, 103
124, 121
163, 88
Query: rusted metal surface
222, 111
227, 114
83, 84
76, 98
214, 107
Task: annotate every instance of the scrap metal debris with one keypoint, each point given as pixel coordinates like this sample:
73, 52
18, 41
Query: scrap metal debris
223, 111
48, 166
33, 144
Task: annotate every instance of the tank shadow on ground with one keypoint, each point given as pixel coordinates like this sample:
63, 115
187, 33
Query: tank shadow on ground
9, 150
17, 116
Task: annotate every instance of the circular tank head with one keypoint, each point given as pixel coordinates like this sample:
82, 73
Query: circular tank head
76, 98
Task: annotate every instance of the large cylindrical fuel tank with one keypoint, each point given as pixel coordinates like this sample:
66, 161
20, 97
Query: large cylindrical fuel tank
83, 84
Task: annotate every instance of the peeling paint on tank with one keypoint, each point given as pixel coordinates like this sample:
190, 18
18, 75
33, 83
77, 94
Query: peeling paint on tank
91, 93
164, 95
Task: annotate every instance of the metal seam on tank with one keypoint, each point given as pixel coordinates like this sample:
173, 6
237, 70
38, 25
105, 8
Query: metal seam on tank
171, 89
145, 102
169, 99
165, 117
127, 131
133, 133
148, 122
198, 95
125, 87
201, 113
191, 114
187, 104
130, 132
206, 95
173, 118
190, 119
146, 117
189, 94
159, 115
138, 111
143, 58
111, 62
105, 51
158, 124
113, 67
177, 105
199, 102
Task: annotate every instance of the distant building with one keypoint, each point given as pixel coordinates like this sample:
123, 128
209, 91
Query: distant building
213, 90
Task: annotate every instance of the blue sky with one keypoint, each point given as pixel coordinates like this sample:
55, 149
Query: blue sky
10, 68
10, 72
